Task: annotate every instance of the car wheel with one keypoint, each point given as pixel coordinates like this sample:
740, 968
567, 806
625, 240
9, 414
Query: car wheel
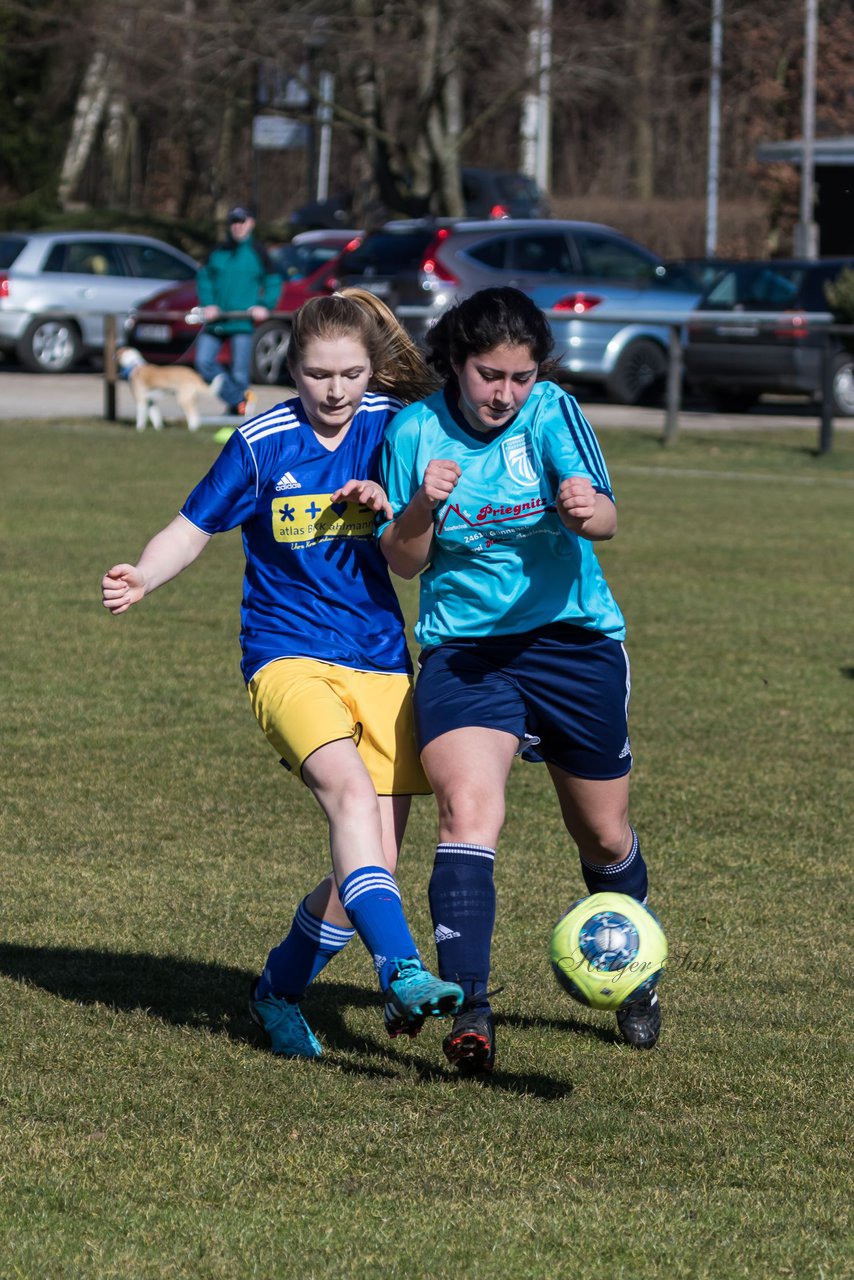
50, 346
639, 374
732, 401
269, 354
843, 385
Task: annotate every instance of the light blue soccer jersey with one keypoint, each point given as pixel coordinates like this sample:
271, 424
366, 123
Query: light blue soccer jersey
316, 583
503, 561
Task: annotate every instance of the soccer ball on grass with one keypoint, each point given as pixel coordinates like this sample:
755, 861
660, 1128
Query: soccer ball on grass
607, 949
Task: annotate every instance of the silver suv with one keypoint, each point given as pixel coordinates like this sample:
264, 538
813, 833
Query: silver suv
56, 286
422, 267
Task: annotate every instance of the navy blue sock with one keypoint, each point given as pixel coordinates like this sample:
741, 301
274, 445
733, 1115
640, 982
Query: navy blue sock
371, 898
295, 963
628, 876
462, 906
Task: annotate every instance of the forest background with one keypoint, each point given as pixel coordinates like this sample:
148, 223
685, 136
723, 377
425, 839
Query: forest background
139, 114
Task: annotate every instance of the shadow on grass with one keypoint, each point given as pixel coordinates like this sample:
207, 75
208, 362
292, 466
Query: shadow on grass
572, 1025
212, 997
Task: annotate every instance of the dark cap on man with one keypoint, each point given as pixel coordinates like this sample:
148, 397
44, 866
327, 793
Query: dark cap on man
238, 214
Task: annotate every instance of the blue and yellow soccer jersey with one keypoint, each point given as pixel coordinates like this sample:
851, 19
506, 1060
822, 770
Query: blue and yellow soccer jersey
502, 560
316, 583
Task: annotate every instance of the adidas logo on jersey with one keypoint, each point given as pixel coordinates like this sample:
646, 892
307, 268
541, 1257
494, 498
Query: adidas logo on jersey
287, 482
444, 934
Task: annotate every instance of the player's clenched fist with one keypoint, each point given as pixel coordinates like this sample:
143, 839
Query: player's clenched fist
440, 480
121, 586
576, 499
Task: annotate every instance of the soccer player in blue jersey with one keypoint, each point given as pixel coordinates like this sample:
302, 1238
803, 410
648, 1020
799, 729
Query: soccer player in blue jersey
324, 651
499, 492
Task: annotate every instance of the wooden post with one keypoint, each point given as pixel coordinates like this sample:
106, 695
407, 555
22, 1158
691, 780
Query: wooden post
110, 368
674, 384
825, 429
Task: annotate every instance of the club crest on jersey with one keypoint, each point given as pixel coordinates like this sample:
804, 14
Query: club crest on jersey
518, 460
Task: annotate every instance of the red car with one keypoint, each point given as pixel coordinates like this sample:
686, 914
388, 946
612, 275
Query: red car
306, 264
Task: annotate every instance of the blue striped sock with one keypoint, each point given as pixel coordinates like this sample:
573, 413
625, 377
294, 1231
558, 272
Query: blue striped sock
293, 965
462, 906
628, 876
371, 898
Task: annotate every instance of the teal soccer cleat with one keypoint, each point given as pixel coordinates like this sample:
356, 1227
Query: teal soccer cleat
285, 1029
414, 994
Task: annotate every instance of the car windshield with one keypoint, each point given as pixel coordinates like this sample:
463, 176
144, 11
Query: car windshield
385, 252
295, 261
759, 285
10, 247
154, 263
688, 276
515, 186
611, 258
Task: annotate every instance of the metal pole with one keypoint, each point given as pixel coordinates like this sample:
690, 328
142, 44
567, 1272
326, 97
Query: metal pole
311, 135
530, 106
327, 97
544, 98
807, 231
714, 130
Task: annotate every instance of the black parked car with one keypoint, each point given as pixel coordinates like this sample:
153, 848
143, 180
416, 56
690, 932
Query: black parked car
487, 193
735, 366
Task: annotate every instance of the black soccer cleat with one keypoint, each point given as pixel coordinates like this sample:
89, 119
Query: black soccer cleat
640, 1021
470, 1044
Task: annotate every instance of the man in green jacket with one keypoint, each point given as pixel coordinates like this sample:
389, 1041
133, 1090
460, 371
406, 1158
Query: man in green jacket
238, 276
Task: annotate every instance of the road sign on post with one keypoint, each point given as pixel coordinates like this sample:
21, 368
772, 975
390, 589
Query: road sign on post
278, 133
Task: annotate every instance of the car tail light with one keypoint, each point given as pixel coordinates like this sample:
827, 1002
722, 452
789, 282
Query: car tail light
331, 282
499, 211
577, 302
432, 265
4, 285
796, 327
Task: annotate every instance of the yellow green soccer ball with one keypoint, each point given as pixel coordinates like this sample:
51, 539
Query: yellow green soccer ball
607, 949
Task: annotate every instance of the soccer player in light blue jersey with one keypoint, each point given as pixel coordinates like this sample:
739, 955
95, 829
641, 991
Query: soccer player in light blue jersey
499, 492
324, 651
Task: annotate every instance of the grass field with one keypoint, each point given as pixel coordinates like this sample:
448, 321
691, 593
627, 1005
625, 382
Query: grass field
154, 851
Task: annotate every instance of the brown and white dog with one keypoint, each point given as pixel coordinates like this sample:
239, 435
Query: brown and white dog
149, 382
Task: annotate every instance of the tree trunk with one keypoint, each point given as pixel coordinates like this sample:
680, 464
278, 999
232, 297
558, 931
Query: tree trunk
647, 15
88, 114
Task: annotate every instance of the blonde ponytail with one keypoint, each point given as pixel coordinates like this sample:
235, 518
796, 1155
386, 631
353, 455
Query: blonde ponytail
398, 365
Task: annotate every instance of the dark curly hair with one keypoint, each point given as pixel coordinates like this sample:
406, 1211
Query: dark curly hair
485, 320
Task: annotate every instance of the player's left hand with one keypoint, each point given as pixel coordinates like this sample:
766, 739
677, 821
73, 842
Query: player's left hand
576, 500
367, 493
259, 313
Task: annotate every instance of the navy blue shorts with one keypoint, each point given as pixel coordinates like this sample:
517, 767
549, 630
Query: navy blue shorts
564, 686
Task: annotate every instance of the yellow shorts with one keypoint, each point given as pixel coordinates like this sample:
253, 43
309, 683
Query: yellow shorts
302, 704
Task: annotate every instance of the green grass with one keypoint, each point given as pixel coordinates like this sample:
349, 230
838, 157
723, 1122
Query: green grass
154, 851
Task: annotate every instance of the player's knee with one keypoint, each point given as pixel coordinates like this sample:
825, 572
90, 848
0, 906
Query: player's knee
351, 796
470, 813
607, 842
